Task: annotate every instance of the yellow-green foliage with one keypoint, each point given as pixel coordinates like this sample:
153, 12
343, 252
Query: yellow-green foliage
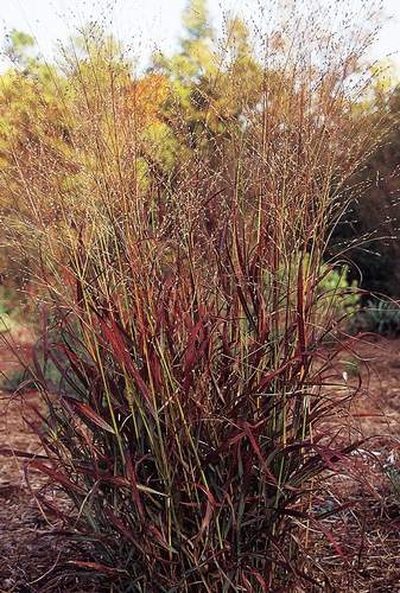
343, 295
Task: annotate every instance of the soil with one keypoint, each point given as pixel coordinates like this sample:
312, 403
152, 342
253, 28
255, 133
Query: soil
359, 552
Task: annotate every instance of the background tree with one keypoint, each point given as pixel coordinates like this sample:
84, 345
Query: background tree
368, 232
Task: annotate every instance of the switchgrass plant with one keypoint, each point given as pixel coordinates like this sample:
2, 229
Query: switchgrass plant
189, 427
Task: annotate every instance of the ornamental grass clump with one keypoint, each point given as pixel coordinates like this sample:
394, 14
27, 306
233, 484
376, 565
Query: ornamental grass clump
179, 233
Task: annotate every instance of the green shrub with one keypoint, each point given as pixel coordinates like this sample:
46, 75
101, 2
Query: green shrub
380, 317
344, 295
9, 310
339, 297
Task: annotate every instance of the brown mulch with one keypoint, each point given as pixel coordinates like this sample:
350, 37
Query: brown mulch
21, 521
34, 551
360, 554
